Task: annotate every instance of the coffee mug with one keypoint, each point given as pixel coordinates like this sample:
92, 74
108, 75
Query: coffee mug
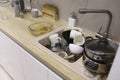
54, 39
74, 33
35, 13
79, 40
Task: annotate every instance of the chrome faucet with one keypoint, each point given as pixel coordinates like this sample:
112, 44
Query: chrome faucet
83, 11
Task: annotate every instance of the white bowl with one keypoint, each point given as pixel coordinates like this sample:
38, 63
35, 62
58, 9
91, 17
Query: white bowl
75, 49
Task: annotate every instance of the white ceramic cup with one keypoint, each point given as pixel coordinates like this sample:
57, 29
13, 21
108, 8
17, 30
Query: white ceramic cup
35, 13
79, 40
74, 33
54, 38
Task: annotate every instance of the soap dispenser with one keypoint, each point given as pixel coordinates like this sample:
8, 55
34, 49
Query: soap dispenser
72, 20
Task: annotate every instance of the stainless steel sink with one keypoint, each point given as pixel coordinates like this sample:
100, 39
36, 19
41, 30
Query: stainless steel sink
43, 40
44, 44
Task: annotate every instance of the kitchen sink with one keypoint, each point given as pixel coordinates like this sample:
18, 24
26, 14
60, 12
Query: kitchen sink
42, 41
44, 44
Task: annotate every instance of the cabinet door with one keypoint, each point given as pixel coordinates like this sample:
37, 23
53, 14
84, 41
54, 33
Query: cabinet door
53, 76
33, 69
20, 64
10, 57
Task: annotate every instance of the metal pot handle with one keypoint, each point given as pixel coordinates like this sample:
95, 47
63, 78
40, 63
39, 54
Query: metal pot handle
87, 39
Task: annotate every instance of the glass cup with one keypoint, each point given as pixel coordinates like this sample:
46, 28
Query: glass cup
35, 13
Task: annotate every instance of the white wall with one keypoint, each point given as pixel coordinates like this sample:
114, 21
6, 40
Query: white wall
89, 21
113, 6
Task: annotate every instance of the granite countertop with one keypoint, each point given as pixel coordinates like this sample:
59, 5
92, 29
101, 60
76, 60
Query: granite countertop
17, 30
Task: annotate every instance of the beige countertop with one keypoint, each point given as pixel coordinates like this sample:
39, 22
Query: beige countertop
17, 29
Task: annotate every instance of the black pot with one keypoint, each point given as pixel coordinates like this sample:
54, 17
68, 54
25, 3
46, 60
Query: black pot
100, 53
95, 66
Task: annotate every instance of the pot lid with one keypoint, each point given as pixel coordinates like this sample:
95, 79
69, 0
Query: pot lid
100, 47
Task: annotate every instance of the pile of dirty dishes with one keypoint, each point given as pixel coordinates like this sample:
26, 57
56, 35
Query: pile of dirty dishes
74, 36
69, 44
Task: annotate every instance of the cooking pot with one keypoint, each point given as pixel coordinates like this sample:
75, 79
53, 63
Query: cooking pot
99, 55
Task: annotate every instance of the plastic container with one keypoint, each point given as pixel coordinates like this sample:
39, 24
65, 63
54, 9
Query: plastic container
40, 28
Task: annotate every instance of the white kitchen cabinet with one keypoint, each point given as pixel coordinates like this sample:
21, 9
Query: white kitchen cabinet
4, 75
53, 76
33, 69
10, 57
20, 65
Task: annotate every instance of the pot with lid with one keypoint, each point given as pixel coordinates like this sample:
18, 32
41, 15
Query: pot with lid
99, 55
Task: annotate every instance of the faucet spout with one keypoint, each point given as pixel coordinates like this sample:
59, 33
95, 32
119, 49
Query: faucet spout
84, 11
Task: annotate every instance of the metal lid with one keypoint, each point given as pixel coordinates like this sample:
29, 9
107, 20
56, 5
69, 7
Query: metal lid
100, 47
